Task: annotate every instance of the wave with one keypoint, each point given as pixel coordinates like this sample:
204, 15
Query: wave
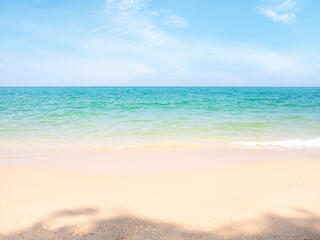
290, 143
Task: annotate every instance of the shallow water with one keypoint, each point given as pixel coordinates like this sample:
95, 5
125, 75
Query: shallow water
229, 116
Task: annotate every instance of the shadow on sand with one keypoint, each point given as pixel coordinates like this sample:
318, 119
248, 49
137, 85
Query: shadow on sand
271, 227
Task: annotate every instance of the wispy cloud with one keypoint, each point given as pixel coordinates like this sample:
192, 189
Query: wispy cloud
168, 18
128, 43
281, 10
176, 21
124, 5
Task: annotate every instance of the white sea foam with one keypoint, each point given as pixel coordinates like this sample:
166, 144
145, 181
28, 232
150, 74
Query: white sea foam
290, 143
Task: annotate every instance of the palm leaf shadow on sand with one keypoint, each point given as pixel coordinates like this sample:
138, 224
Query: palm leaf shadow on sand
272, 227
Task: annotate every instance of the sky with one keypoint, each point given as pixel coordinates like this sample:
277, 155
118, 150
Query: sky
159, 43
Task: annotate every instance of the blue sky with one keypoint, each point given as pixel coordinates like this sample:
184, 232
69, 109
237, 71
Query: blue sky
159, 42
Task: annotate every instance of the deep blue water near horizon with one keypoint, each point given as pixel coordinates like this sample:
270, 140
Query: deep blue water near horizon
287, 116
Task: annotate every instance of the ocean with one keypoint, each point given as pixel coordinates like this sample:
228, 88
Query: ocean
244, 117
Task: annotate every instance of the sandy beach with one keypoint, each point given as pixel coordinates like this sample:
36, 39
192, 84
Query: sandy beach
159, 120
255, 200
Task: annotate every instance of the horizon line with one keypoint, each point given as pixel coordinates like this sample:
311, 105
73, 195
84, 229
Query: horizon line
299, 86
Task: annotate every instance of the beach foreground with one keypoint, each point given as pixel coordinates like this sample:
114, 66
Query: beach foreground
266, 200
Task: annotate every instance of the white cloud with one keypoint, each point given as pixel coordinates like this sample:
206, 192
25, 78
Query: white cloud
287, 18
168, 18
175, 21
281, 10
154, 13
124, 5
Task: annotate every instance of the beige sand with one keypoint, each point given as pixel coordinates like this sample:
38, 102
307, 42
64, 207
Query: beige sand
270, 200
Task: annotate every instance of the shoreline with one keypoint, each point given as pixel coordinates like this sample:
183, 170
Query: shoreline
147, 161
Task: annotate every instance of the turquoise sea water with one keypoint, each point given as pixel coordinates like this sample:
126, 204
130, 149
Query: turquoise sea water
246, 116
